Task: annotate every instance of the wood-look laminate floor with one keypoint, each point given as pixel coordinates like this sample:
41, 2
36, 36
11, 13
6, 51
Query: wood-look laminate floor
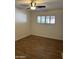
35, 47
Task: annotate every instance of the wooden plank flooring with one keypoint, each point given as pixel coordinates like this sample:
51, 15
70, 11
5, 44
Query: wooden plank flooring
35, 47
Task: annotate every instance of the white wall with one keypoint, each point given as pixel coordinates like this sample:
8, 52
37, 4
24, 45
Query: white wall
51, 31
26, 26
21, 24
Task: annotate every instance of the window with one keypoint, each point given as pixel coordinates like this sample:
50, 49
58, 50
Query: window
46, 19
39, 19
43, 19
52, 21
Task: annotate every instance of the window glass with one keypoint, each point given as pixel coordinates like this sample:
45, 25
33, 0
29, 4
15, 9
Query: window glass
39, 19
48, 19
52, 21
42, 19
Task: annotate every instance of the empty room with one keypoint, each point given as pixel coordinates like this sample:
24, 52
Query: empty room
39, 29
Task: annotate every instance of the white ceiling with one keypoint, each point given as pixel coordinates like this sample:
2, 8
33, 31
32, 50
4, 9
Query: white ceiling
50, 4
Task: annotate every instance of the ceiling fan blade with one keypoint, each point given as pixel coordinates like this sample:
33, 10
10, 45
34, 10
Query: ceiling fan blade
40, 6
37, 7
27, 8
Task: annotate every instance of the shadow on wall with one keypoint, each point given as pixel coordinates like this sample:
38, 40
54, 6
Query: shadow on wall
20, 16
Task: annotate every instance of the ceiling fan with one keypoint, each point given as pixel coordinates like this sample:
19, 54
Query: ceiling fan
32, 4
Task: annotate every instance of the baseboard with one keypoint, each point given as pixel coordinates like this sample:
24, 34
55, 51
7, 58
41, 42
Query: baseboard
37, 35
23, 37
47, 37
